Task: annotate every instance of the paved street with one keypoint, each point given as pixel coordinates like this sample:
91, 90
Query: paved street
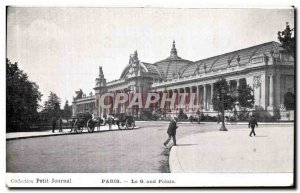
131, 151
271, 150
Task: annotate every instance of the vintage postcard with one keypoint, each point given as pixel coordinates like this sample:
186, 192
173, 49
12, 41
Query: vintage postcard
150, 97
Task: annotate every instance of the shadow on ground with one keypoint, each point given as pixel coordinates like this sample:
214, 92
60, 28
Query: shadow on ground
164, 163
185, 144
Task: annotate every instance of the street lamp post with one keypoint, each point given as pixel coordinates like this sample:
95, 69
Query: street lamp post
223, 128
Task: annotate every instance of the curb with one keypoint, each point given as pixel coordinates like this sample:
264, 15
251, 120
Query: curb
171, 157
35, 136
58, 134
237, 123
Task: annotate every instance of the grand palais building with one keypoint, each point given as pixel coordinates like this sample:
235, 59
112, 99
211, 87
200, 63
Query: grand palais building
267, 68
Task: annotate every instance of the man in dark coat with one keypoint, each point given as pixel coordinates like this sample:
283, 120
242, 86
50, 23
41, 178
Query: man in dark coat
60, 123
252, 124
172, 131
53, 123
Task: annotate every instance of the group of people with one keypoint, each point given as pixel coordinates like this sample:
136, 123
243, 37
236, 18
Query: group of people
56, 123
173, 127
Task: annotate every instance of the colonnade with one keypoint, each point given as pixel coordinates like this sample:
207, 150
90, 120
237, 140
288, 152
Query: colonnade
202, 100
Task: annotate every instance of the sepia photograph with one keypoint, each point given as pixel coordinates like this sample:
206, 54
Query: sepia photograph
150, 97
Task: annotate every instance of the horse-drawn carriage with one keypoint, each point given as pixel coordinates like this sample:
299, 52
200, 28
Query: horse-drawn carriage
86, 120
121, 120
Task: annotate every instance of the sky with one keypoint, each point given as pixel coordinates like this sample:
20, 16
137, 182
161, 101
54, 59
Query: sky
61, 49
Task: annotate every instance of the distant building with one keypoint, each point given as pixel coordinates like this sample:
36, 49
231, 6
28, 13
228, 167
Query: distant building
267, 68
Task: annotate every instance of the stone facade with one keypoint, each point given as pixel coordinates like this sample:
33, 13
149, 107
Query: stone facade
267, 68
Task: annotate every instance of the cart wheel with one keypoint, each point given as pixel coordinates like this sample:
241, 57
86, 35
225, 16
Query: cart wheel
130, 124
90, 126
122, 125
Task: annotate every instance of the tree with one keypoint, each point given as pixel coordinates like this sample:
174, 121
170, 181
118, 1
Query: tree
222, 100
245, 97
52, 106
221, 88
67, 112
22, 98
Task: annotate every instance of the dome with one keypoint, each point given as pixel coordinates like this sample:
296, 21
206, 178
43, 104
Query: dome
172, 66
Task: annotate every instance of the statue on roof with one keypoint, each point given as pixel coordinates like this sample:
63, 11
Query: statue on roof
274, 53
79, 94
134, 59
197, 70
204, 66
229, 61
130, 59
134, 64
101, 75
135, 55
286, 39
266, 58
287, 32
238, 59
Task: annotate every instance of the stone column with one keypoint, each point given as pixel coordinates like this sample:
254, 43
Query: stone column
160, 98
129, 99
186, 99
134, 108
122, 105
277, 90
197, 97
99, 107
74, 109
138, 108
211, 96
114, 98
190, 98
170, 96
178, 99
166, 102
204, 97
175, 99
237, 93
271, 93
108, 100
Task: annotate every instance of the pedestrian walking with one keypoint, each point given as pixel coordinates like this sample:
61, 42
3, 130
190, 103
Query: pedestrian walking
172, 131
252, 124
53, 123
60, 123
